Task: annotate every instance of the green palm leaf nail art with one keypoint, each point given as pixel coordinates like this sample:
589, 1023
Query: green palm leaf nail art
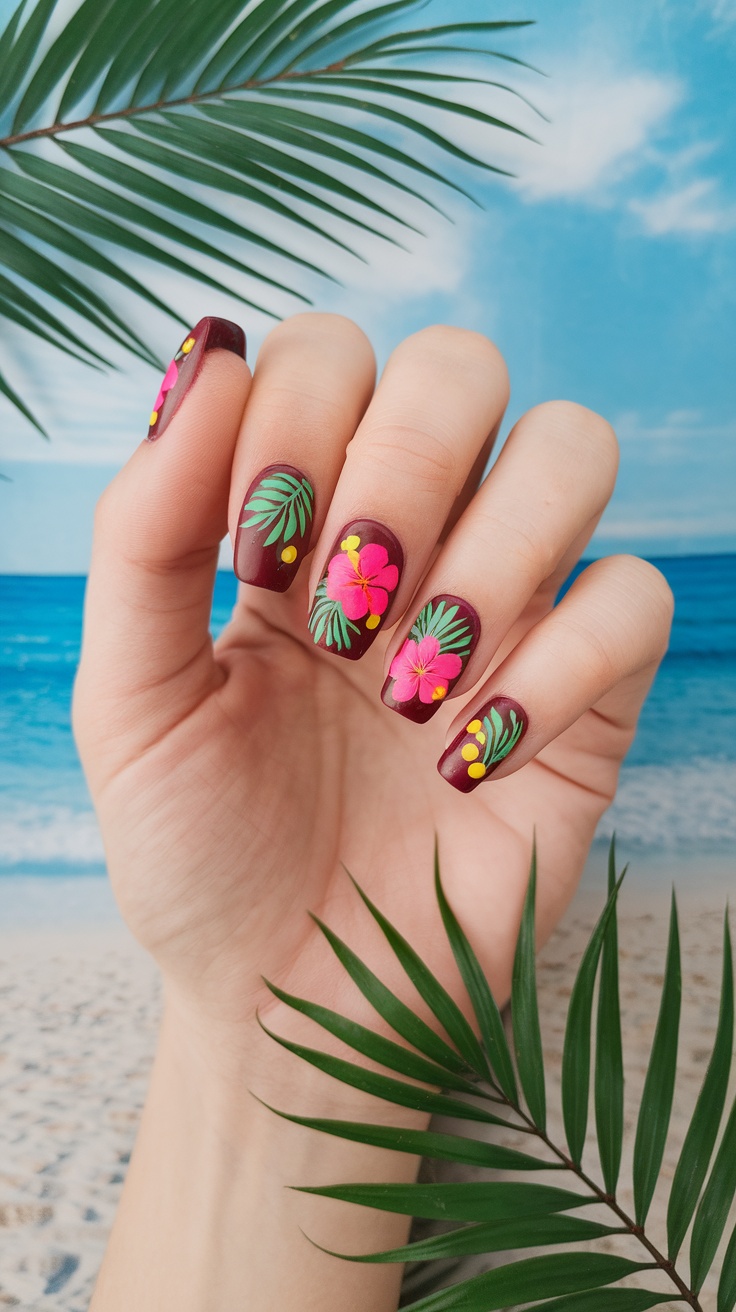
328, 620
439, 622
281, 503
500, 739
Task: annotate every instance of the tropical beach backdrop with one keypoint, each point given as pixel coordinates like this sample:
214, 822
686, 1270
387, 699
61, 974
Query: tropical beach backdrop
605, 270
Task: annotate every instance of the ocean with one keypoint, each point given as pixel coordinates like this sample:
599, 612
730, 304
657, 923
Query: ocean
678, 786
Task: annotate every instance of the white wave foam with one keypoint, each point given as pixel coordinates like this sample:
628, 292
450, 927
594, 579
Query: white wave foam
665, 807
42, 835
657, 807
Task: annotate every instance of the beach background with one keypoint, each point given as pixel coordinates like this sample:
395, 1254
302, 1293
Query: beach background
605, 269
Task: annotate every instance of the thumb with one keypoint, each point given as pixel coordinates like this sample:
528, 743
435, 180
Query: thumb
146, 652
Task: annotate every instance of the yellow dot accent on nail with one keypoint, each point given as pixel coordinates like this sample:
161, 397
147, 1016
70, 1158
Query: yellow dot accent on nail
470, 752
480, 738
350, 543
475, 726
373, 621
438, 693
154, 417
477, 770
187, 345
288, 555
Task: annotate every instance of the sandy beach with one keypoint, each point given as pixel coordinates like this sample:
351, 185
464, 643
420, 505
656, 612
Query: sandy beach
78, 1019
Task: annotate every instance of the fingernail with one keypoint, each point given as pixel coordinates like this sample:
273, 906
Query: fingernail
208, 335
487, 739
430, 662
275, 525
354, 595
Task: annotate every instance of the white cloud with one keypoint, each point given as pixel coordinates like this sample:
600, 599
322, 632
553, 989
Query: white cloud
599, 131
697, 207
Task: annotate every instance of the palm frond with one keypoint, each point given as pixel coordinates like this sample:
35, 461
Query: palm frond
304, 111
492, 1216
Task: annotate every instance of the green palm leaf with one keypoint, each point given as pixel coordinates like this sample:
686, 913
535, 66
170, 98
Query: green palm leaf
576, 1050
532, 1278
435, 994
659, 1085
492, 1237
727, 1282
472, 1201
484, 1004
498, 1216
268, 95
524, 1007
328, 619
609, 1063
715, 1205
703, 1129
426, 1143
397, 1015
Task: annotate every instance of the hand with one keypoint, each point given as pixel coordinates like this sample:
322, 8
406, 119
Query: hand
231, 781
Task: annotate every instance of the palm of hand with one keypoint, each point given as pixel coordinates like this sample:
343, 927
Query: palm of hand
283, 765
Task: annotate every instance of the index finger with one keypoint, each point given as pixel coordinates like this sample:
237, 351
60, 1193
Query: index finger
158, 527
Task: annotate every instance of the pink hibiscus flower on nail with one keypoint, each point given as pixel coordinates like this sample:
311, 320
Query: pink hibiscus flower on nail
421, 670
167, 382
361, 581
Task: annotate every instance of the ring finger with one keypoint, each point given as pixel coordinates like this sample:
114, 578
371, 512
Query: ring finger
516, 541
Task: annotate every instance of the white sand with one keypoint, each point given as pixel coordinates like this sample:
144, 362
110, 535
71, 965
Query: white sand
78, 1020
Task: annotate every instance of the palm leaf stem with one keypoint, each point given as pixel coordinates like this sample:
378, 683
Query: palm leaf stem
631, 1227
197, 98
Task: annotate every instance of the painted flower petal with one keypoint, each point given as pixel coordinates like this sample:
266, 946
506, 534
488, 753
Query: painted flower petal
340, 573
167, 382
354, 601
428, 649
387, 577
372, 560
405, 688
447, 666
377, 600
405, 660
427, 684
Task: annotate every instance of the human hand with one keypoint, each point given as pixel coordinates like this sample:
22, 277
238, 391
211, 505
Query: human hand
231, 781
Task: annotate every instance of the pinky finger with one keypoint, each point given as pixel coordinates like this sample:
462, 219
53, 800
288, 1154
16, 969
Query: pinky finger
600, 647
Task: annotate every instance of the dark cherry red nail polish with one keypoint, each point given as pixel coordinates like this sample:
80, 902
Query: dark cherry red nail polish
355, 593
487, 739
274, 528
431, 660
208, 335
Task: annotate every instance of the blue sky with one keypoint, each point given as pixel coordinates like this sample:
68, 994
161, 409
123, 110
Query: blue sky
606, 273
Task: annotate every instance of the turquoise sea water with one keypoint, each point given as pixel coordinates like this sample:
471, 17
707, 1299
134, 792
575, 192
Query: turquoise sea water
678, 788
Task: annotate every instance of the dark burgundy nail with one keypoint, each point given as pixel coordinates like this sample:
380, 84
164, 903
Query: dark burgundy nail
487, 739
431, 660
274, 528
354, 595
208, 335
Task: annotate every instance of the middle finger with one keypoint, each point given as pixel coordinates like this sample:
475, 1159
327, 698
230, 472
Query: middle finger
442, 393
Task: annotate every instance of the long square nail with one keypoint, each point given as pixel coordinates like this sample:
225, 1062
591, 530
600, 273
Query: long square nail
487, 739
209, 334
354, 595
431, 660
274, 528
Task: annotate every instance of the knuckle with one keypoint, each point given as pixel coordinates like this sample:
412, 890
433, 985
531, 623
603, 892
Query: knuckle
656, 599
412, 450
311, 324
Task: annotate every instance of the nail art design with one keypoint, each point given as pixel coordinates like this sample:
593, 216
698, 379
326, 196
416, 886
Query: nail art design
208, 335
354, 595
485, 742
275, 528
430, 662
